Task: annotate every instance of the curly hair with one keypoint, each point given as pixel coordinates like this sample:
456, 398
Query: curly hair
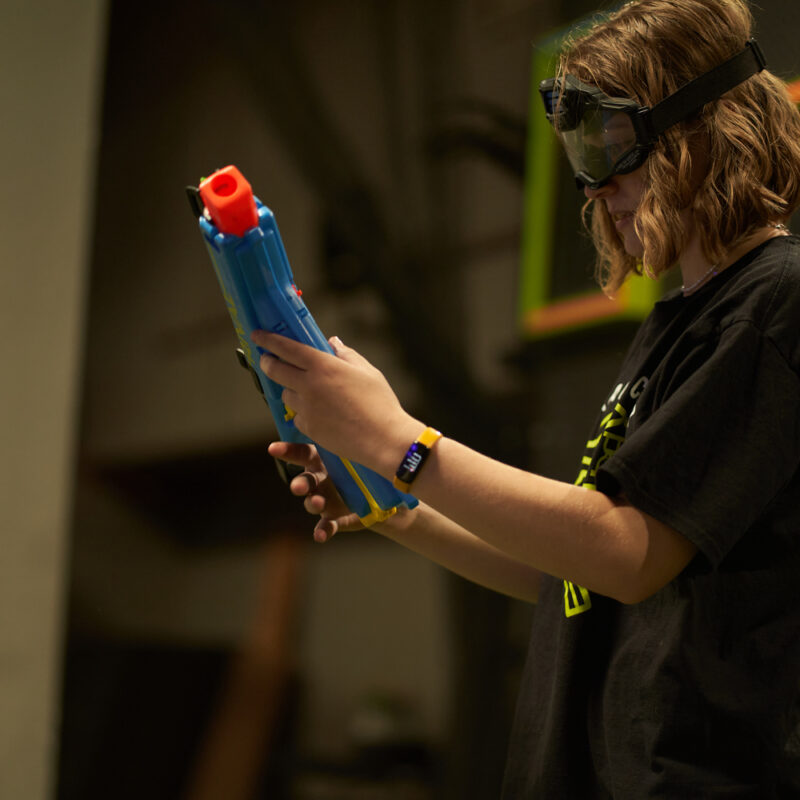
735, 164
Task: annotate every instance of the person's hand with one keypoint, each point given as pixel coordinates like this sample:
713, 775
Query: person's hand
341, 402
313, 484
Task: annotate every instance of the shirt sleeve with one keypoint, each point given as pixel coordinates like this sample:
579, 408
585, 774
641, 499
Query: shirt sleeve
719, 440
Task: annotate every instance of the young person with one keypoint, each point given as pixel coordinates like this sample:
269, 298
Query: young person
665, 653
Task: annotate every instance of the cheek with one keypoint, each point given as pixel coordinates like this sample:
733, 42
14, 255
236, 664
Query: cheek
632, 243
635, 186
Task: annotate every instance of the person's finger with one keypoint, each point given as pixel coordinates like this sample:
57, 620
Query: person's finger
306, 483
325, 529
302, 455
313, 478
281, 372
315, 503
341, 350
287, 350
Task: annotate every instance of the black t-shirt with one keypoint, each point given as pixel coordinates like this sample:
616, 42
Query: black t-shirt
693, 693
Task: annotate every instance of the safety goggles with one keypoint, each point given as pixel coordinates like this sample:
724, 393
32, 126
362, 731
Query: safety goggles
605, 136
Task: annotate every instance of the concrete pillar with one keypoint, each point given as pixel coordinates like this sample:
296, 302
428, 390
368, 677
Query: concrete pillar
50, 80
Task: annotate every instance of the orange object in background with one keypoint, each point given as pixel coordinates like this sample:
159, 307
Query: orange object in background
794, 91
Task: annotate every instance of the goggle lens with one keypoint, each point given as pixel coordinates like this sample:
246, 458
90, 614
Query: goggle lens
598, 142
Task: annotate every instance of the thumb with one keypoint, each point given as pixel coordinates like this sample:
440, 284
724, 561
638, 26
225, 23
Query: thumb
347, 354
342, 351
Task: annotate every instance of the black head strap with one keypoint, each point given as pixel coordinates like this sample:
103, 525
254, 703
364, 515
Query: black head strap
691, 98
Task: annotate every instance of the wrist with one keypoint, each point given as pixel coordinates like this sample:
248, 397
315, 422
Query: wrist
415, 459
395, 526
396, 445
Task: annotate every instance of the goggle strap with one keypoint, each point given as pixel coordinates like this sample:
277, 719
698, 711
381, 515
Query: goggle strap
691, 98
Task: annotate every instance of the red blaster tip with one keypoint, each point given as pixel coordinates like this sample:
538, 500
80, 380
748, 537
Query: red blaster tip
229, 199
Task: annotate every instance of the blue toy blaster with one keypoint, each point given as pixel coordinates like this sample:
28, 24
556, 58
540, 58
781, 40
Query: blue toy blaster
242, 238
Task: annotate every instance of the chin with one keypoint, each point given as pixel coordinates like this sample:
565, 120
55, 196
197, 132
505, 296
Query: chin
633, 247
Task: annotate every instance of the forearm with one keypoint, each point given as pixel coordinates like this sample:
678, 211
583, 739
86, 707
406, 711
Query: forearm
605, 545
445, 542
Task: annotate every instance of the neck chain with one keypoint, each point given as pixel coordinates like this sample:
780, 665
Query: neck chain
713, 272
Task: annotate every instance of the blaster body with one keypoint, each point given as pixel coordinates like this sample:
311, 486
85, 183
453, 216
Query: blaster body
250, 262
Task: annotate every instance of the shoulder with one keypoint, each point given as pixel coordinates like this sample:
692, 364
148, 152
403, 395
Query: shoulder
775, 260
762, 292
767, 277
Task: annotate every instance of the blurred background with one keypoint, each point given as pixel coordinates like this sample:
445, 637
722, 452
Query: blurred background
167, 628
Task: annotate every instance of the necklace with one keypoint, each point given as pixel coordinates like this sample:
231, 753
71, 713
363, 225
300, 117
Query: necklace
712, 272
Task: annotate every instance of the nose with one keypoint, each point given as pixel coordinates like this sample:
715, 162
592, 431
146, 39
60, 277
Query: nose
604, 191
